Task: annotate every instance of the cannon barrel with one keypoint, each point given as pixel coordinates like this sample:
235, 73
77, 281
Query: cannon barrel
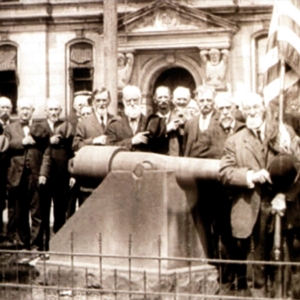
96, 162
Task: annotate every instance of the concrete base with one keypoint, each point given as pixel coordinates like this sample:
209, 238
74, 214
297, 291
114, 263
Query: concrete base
118, 284
141, 217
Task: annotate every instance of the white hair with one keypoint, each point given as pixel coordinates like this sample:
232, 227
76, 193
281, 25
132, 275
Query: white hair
53, 102
249, 97
182, 90
5, 100
131, 89
25, 102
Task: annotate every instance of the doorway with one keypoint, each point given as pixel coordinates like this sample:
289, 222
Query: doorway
175, 77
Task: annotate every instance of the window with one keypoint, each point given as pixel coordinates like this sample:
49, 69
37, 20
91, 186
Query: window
81, 68
8, 75
259, 47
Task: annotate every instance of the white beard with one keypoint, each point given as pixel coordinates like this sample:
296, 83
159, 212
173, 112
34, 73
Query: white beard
254, 122
226, 121
133, 112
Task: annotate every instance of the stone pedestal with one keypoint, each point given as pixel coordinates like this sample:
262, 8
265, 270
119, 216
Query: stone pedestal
138, 222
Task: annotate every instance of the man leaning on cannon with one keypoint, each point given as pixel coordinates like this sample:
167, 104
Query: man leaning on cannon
249, 165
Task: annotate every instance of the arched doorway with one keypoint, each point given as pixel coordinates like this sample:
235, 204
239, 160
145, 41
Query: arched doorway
175, 77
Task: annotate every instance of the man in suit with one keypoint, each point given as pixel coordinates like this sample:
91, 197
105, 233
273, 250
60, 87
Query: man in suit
197, 130
91, 131
178, 117
29, 168
160, 124
57, 187
130, 131
80, 99
5, 111
244, 165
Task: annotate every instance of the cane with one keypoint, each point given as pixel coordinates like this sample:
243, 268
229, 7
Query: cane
277, 236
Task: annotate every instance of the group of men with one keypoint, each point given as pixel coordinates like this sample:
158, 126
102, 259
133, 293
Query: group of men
239, 208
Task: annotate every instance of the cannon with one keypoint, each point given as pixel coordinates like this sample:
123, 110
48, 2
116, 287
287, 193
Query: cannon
144, 206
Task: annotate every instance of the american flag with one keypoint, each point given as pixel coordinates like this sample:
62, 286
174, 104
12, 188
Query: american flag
283, 41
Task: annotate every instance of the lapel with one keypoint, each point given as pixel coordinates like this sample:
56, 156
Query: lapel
95, 124
127, 128
194, 128
142, 124
19, 128
256, 148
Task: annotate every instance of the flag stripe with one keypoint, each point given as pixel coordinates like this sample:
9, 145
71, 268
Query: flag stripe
283, 41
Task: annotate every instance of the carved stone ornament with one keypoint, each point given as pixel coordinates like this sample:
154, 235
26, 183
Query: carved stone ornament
214, 63
125, 66
163, 20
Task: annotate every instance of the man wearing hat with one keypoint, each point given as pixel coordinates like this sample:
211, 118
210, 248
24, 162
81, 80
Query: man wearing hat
244, 167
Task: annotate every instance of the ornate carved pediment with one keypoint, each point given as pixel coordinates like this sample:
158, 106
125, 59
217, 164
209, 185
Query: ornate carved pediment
164, 15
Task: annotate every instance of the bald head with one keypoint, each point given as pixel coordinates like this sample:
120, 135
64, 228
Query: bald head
53, 109
181, 97
5, 108
25, 109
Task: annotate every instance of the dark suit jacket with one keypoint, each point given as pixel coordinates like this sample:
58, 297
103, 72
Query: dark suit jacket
36, 157
243, 152
88, 129
158, 138
195, 144
119, 133
61, 152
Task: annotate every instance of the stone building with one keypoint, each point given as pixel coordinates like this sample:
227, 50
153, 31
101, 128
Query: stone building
53, 48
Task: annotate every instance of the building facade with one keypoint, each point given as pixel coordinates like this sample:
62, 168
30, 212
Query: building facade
54, 48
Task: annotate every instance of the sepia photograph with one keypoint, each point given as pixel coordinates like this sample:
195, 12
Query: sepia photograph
149, 149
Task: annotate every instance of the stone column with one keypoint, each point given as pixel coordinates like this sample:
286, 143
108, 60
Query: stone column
110, 35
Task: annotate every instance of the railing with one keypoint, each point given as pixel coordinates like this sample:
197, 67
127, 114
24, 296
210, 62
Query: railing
30, 275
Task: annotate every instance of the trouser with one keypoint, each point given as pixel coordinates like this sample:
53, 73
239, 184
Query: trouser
55, 190
26, 200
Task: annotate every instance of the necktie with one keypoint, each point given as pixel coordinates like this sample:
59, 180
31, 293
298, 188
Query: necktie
133, 125
102, 123
259, 136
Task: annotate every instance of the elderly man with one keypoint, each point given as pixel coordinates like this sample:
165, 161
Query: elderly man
179, 115
60, 138
160, 124
29, 168
130, 131
86, 111
197, 131
80, 99
244, 165
91, 131
5, 111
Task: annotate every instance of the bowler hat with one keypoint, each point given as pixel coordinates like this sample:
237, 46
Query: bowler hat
283, 171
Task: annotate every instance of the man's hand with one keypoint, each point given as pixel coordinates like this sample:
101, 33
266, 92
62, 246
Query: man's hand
54, 140
140, 138
173, 125
261, 176
278, 204
72, 181
42, 179
28, 140
100, 140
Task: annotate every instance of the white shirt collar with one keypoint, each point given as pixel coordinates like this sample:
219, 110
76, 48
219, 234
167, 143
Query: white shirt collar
167, 115
99, 118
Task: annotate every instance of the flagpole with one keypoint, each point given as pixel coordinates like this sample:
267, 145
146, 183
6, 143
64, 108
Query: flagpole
281, 91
